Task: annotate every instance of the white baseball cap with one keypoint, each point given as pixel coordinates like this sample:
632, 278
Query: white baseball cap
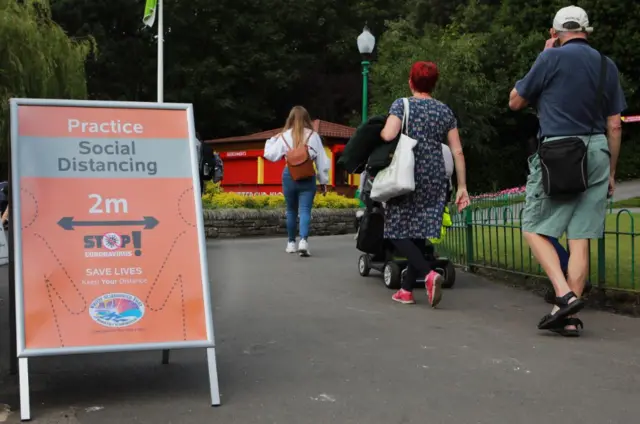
572, 19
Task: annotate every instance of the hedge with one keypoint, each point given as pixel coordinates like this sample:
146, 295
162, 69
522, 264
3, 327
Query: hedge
215, 198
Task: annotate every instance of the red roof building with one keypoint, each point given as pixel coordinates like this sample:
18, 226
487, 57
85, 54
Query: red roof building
246, 171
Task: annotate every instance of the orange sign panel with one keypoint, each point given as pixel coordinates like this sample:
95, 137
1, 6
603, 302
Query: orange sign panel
110, 250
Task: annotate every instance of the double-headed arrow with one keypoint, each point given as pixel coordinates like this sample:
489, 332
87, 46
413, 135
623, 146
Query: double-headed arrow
68, 223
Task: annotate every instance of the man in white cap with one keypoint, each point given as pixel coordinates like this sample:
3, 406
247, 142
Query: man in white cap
578, 96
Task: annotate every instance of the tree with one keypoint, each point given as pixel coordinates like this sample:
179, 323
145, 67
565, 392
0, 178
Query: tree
425, 13
482, 51
125, 68
518, 29
463, 85
242, 63
37, 59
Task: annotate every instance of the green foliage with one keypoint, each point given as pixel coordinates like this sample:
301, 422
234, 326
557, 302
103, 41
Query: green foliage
482, 50
474, 83
213, 188
432, 12
501, 245
125, 69
242, 63
634, 202
37, 59
465, 89
497, 203
236, 201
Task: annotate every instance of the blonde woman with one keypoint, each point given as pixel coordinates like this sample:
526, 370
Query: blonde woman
299, 194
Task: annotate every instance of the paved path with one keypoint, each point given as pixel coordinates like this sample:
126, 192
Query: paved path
630, 210
306, 341
627, 190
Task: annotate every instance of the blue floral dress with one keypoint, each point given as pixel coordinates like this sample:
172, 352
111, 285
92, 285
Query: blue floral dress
418, 215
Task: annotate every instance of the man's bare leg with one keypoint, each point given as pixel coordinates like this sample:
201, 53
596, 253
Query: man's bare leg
578, 269
548, 258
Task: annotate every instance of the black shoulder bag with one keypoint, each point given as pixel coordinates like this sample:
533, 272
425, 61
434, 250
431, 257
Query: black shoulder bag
564, 161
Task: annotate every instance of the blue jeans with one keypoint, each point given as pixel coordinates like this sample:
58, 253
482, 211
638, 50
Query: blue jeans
562, 253
299, 198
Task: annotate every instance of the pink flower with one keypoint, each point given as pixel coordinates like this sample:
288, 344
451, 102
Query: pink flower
501, 193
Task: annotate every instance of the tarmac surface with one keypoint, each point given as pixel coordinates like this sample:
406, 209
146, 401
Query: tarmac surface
307, 340
627, 190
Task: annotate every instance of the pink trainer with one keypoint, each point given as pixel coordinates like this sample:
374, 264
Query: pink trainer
403, 296
433, 284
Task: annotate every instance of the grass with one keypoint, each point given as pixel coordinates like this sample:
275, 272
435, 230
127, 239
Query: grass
497, 202
634, 202
502, 246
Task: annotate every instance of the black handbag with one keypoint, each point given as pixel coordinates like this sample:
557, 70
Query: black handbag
371, 231
381, 157
564, 162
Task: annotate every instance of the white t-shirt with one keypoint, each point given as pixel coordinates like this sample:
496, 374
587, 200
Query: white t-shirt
275, 149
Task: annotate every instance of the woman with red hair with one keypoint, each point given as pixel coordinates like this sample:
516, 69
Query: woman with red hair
412, 219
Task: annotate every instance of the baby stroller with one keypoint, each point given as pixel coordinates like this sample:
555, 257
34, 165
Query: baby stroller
379, 254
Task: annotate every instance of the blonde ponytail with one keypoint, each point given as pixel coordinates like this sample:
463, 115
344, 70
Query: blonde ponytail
298, 121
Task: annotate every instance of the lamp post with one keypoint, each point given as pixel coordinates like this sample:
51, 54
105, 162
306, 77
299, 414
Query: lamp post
366, 44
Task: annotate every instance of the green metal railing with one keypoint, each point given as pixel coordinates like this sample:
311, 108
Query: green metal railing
488, 235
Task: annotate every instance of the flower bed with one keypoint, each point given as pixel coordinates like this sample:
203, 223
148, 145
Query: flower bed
509, 192
507, 197
229, 215
215, 198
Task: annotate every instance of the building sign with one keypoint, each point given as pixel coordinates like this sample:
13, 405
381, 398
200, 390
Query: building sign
259, 193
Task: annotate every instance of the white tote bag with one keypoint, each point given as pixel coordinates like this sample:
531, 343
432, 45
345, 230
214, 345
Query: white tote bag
397, 178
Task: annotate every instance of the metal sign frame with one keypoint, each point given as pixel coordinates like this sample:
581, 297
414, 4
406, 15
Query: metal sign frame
16, 221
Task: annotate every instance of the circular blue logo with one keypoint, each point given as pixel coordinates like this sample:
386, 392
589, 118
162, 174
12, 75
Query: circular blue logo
116, 310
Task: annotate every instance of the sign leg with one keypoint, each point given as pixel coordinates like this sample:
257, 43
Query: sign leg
25, 402
13, 348
165, 357
213, 376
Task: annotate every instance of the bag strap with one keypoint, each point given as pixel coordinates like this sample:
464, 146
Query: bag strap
599, 94
285, 142
308, 137
405, 116
306, 142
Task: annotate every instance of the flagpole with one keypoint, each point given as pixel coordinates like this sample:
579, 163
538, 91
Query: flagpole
165, 352
160, 52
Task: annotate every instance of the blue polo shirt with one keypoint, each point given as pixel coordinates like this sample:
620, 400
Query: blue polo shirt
562, 85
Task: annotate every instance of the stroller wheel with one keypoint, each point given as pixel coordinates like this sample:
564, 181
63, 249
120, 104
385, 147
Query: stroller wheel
392, 275
446, 268
364, 265
449, 275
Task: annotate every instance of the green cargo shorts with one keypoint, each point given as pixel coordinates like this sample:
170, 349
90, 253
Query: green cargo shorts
581, 217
